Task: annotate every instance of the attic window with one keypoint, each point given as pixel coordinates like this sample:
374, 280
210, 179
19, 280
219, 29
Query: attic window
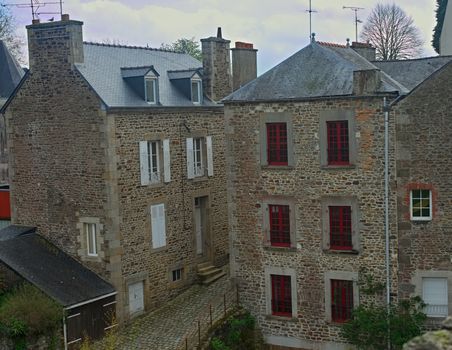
196, 92
151, 89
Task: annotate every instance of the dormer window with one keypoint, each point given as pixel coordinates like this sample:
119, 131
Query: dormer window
196, 92
151, 89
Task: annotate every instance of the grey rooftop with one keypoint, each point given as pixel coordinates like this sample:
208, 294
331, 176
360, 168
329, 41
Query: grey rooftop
326, 70
10, 73
50, 269
104, 63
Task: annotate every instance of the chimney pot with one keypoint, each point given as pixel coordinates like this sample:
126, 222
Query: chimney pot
242, 45
65, 17
35, 21
219, 34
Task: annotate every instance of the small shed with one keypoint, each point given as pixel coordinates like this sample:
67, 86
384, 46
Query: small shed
88, 300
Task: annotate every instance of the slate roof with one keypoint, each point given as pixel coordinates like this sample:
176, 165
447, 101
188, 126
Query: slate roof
48, 268
102, 70
10, 73
318, 70
414, 71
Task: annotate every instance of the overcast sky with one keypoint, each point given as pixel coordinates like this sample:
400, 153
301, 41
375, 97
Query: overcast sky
277, 28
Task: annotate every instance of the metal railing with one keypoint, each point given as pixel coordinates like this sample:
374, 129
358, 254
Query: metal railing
217, 310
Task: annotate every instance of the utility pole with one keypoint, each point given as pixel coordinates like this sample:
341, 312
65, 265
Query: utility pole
355, 9
311, 11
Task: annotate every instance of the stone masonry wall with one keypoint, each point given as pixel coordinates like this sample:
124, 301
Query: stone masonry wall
139, 260
424, 143
307, 183
56, 139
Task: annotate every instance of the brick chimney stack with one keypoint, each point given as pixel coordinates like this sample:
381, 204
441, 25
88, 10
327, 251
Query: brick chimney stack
244, 64
217, 80
55, 44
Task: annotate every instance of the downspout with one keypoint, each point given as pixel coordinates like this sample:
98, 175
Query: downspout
387, 108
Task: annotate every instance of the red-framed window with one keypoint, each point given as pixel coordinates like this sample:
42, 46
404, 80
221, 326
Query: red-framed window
341, 300
279, 225
277, 144
281, 295
338, 144
5, 206
340, 227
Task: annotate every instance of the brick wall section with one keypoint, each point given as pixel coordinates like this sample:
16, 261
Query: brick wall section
424, 134
249, 183
178, 195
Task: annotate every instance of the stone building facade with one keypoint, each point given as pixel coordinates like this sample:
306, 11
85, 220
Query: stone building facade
423, 161
306, 162
119, 162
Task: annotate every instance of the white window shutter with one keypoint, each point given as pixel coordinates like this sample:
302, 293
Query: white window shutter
190, 165
158, 225
209, 156
144, 163
166, 161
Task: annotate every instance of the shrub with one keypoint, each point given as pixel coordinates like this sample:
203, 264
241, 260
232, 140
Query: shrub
28, 312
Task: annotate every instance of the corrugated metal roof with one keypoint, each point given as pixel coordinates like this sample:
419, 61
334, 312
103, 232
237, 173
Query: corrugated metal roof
50, 269
318, 70
102, 70
10, 72
414, 71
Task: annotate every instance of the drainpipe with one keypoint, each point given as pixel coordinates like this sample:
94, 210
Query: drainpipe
386, 170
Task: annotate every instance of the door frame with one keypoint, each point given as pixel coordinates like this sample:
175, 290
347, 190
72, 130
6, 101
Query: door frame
207, 237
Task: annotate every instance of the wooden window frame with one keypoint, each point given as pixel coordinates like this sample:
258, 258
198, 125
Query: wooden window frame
277, 147
340, 229
279, 223
430, 206
281, 298
341, 310
338, 145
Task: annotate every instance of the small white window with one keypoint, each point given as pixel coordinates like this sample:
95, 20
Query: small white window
150, 162
199, 157
177, 275
91, 239
151, 90
421, 205
196, 91
198, 161
158, 226
434, 293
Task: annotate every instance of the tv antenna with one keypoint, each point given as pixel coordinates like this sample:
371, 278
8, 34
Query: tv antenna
355, 9
36, 6
311, 11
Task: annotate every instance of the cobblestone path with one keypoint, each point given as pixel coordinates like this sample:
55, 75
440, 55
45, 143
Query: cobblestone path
166, 328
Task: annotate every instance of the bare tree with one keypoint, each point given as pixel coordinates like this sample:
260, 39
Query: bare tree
8, 34
392, 32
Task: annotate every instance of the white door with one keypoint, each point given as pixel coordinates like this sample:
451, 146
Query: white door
198, 226
136, 297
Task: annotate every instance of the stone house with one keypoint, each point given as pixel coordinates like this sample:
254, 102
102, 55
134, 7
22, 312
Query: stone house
117, 156
306, 168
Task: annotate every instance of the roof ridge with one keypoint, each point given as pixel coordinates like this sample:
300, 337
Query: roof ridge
138, 67
132, 47
184, 70
415, 59
324, 43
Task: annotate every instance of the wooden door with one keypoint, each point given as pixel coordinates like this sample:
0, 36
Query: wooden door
136, 297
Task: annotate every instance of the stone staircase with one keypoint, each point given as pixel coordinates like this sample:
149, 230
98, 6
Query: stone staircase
207, 273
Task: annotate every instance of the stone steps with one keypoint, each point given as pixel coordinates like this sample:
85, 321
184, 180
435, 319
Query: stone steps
207, 273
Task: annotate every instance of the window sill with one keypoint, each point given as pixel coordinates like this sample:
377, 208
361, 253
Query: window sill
338, 167
421, 221
199, 178
282, 318
158, 250
280, 249
154, 185
277, 167
341, 252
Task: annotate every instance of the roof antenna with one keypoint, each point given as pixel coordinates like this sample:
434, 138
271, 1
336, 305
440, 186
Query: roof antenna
311, 11
356, 9
35, 5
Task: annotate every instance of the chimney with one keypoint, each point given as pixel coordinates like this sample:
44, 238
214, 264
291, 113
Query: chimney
364, 49
217, 81
55, 44
244, 64
366, 82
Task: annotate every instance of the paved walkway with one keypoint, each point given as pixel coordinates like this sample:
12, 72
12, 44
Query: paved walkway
167, 327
